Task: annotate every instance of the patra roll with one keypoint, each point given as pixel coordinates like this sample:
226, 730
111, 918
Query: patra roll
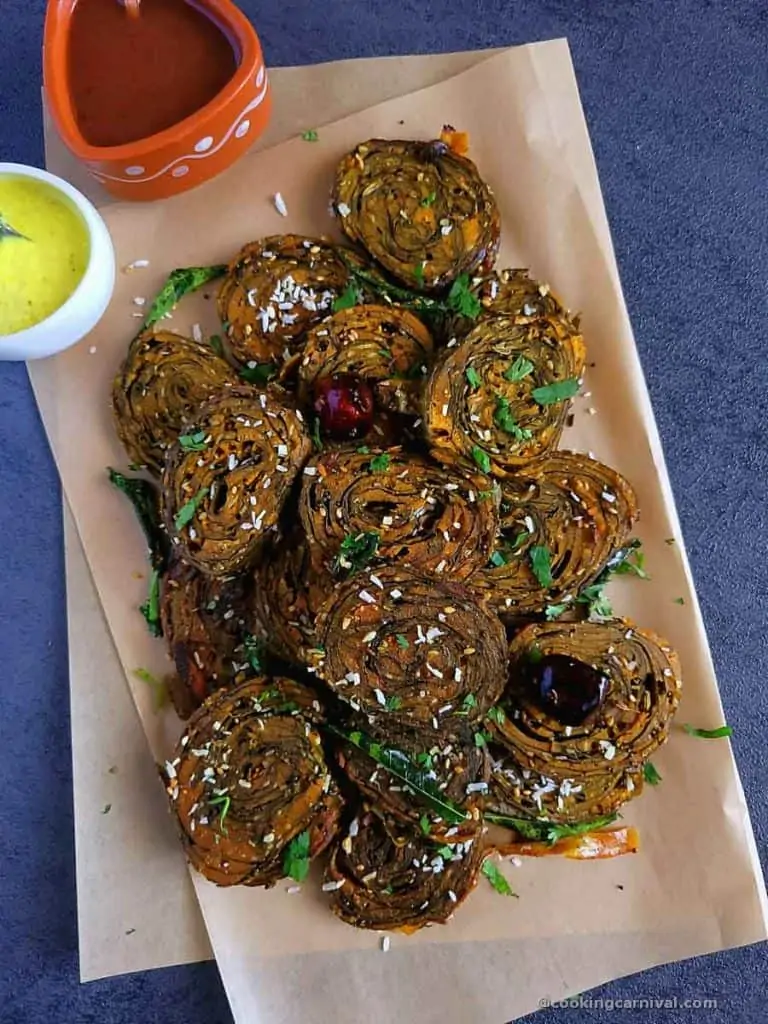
223, 498
163, 381
392, 879
562, 519
586, 706
247, 779
410, 652
419, 209
499, 399
414, 513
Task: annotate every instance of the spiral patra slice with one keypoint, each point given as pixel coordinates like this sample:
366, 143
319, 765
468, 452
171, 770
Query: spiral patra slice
222, 499
435, 785
499, 399
248, 779
422, 211
203, 623
287, 595
385, 346
586, 706
410, 652
421, 515
163, 381
392, 879
561, 520
275, 290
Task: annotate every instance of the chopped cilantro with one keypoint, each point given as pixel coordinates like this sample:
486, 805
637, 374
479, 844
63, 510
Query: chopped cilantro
496, 715
193, 442
296, 859
253, 649
151, 607
481, 739
363, 450
650, 774
557, 392
159, 691
316, 439
380, 463
310, 135
401, 641
261, 373
356, 551
549, 831
519, 369
473, 377
187, 511
541, 564
215, 342
497, 879
418, 272
498, 559
393, 703
424, 824
461, 298
481, 459
679, 600
554, 611
351, 296
428, 200
709, 734
504, 419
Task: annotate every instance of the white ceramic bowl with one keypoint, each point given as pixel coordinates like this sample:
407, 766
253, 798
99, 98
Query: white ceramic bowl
87, 303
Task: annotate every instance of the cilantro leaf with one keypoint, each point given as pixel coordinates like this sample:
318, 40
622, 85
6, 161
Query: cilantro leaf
296, 858
261, 373
418, 272
594, 597
481, 459
481, 739
310, 135
650, 774
554, 611
496, 715
193, 442
159, 691
402, 641
393, 703
473, 377
351, 296
315, 434
519, 369
497, 879
380, 463
541, 564
187, 511
469, 702
428, 200
253, 650
557, 392
709, 734
549, 831
679, 600
215, 342
498, 559
504, 419
462, 300
424, 824
151, 607
363, 450
356, 551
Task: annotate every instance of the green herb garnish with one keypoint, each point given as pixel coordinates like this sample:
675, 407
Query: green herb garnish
650, 774
193, 442
145, 499
310, 135
151, 607
534, 654
259, 374
709, 734
159, 691
498, 559
461, 298
541, 564
481, 459
473, 377
469, 702
188, 510
481, 738
497, 880
356, 551
428, 200
393, 703
679, 600
363, 450
557, 392
380, 463
425, 760
222, 804
401, 766
595, 598
296, 858
418, 272
317, 441
424, 824
519, 369
351, 296
496, 715
216, 344
554, 611
107, 808
402, 641
504, 419
549, 831
628, 560
180, 282
254, 650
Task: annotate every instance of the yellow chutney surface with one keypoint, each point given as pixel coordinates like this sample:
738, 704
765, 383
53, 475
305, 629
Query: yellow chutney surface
39, 275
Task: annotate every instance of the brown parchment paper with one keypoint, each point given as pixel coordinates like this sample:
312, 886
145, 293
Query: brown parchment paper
530, 141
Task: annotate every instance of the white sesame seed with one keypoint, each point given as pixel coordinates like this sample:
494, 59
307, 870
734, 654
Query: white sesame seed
435, 671
608, 496
332, 886
376, 581
452, 896
457, 674
292, 889
137, 265
280, 206
197, 332
380, 696
343, 210
396, 594
445, 409
369, 636
139, 300
385, 943
365, 596
92, 350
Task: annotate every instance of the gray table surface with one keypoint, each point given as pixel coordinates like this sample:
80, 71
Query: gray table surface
676, 95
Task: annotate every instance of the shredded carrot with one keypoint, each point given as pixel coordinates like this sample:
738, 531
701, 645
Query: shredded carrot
457, 141
590, 846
